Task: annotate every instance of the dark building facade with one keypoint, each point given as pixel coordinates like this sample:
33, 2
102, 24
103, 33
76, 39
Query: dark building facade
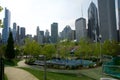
107, 18
5, 31
54, 32
93, 28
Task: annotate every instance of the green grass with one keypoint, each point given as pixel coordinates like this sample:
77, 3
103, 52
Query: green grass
56, 76
11, 62
5, 76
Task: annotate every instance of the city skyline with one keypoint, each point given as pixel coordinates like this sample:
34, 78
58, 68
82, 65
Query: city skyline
43, 12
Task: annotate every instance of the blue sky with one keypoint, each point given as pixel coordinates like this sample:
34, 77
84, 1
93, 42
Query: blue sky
42, 13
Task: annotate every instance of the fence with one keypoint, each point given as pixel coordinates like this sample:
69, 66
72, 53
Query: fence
112, 70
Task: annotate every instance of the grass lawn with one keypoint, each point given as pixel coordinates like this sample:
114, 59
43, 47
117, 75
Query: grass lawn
12, 62
5, 77
56, 76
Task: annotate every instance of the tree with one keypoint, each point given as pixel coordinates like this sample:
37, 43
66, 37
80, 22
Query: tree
32, 48
2, 49
111, 48
10, 52
0, 19
49, 50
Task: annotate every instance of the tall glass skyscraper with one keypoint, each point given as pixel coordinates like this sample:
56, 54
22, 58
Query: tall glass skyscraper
54, 32
22, 32
5, 31
107, 17
93, 28
80, 26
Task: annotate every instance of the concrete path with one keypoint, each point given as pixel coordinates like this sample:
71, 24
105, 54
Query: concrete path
14, 73
22, 64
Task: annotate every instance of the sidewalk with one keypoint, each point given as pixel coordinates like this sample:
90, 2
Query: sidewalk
18, 74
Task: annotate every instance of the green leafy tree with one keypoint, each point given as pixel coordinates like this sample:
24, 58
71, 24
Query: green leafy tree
111, 48
49, 50
0, 19
96, 49
2, 49
10, 52
31, 47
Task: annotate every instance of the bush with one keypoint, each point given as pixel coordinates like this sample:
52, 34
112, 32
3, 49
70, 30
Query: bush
11, 62
116, 60
91, 65
30, 61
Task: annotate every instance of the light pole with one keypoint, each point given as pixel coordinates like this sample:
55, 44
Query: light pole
44, 57
100, 37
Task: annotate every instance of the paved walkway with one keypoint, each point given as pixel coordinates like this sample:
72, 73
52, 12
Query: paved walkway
14, 73
22, 64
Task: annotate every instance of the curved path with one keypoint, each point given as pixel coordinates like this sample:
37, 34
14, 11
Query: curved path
14, 73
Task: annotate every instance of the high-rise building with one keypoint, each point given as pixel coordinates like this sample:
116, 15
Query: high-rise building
47, 33
42, 36
37, 31
22, 35
107, 18
5, 31
39, 36
42, 33
66, 33
22, 32
80, 26
14, 31
93, 28
54, 32
47, 37
73, 35
18, 35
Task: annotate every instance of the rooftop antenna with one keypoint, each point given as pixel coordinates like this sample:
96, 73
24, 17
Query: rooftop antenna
81, 10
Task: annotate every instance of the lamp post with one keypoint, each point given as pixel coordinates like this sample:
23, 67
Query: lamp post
44, 57
100, 37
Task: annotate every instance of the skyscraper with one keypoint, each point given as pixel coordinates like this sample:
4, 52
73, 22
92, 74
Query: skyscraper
5, 31
66, 32
107, 18
39, 36
14, 31
93, 28
37, 31
47, 33
54, 32
72, 35
80, 26
42, 36
47, 37
18, 35
22, 32
22, 35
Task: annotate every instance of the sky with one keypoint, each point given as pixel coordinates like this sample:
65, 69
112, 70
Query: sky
42, 13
